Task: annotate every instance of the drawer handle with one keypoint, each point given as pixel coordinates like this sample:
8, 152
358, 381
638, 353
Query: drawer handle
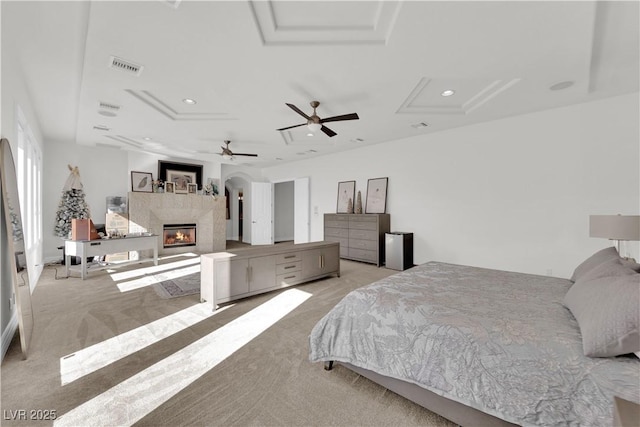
289, 266
289, 256
289, 277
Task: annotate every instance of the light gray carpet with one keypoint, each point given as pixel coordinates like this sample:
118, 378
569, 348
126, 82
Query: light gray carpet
268, 382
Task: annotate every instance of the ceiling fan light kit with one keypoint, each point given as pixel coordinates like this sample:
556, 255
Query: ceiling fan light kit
315, 123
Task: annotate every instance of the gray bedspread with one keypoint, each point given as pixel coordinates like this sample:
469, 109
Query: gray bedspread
497, 341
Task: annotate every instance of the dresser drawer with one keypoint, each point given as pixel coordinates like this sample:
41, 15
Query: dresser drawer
335, 232
363, 224
336, 224
363, 234
288, 267
344, 242
371, 245
288, 258
363, 255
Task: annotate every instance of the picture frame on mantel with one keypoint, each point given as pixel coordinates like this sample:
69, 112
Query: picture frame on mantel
376, 196
346, 191
193, 171
141, 182
169, 187
192, 188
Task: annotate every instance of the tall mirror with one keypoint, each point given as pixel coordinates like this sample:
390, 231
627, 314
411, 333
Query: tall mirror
17, 256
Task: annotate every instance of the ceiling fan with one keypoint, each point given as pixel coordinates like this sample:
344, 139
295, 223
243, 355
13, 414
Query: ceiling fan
228, 154
315, 123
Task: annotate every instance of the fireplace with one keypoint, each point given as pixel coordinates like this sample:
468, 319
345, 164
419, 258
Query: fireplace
174, 235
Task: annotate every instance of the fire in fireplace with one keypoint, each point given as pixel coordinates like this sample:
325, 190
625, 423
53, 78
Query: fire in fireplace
174, 235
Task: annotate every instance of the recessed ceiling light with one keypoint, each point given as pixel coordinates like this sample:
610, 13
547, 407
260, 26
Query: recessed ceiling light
448, 92
147, 138
310, 134
189, 101
561, 85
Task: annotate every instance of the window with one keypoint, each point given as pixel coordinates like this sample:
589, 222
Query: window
29, 177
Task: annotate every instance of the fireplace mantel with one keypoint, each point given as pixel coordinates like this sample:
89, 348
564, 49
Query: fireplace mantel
149, 211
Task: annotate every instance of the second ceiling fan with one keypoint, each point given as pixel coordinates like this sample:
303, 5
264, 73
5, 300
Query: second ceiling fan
315, 123
228, 154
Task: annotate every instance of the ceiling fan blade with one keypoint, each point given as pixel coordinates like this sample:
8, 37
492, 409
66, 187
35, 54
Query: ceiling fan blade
352, 116
294, 126
299, 111
328, 131
245, 154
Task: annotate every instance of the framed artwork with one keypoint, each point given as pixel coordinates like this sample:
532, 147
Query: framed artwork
346, 191
181, 180
141, 182
192, 188
376, 195
169, 187
187, 169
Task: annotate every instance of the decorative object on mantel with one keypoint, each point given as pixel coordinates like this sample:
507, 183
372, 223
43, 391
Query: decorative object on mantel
346, 192
180, 174
358, 208
142, 182
376, 195
72, 204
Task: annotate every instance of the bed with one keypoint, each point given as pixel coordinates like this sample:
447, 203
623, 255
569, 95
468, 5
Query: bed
487, 347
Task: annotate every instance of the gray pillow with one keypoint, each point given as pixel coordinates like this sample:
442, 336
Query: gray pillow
609, 268
593, 261
608, 312
630, 262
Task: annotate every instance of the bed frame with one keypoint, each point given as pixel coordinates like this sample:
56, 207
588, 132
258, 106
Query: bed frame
454, 411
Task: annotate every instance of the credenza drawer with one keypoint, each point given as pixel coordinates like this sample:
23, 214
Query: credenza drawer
288, 278
287, 258
364, 255
336, 232
371, 245
288, 267
363, 234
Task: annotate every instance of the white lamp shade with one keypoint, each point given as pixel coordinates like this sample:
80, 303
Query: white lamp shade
615, 227
314, 127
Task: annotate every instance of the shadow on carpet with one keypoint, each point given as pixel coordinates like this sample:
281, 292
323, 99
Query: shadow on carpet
178, 286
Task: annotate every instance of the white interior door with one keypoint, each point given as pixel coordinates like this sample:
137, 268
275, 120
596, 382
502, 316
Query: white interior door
302, 209
261, 213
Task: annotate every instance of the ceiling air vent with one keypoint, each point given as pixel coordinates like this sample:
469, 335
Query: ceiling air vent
100, 127
108, 106
126, 66
420, 125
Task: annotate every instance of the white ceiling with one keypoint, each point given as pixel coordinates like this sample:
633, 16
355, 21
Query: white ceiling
243, 60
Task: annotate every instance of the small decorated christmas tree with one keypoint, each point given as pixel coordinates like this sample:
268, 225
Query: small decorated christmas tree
72, 204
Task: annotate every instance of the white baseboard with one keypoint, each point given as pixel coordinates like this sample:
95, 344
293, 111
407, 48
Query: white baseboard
8, 333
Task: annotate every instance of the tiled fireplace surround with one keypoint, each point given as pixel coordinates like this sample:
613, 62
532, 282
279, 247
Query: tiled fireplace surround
149, 211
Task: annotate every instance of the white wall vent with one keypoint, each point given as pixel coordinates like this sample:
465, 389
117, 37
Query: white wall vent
100, 127
126, 66
108, 106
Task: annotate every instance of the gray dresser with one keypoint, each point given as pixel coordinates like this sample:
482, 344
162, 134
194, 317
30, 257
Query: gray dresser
361, 236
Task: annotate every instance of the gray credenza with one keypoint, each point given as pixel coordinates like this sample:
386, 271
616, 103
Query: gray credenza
361, 236
239, 273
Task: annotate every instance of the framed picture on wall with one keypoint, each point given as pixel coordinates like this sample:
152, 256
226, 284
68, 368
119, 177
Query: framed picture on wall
346, 192
141, 182
192, 171
181, 180
376, 195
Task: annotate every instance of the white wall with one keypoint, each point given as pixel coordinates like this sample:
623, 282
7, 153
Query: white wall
103, 172
512, 194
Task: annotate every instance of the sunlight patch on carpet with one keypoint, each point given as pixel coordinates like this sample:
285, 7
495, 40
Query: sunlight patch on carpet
137, 272
157, 278
97, 356
132, 399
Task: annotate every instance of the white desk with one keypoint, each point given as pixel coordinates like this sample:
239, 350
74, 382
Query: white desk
88, 248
